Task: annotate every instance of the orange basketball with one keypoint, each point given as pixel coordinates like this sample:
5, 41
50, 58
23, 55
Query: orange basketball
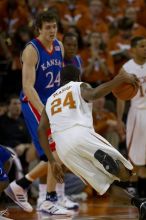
125, 91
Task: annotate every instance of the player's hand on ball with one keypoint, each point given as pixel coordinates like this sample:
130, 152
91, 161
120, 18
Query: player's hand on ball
134, 80
130, 78
57, 171
129, 86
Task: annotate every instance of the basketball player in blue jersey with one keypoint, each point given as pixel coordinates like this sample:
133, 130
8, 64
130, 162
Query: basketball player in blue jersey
5, 161
42, 60
5, 164
70, 43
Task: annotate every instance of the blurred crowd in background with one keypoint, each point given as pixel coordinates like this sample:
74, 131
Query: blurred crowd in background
103, 29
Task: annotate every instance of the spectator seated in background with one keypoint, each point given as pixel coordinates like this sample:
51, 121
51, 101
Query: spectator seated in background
94, 20
14, 14
98, 63
113, 13
138, 29
21, 37
121, 42
3, 108
119, 45
13, 129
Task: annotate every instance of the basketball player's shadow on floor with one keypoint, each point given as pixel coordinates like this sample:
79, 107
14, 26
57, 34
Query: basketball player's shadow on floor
43, 216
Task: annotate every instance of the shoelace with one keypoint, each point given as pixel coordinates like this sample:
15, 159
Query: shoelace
4, 212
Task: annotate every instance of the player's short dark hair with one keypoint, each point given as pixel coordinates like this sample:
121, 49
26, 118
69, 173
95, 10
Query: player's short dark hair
69, 34
45, 16
135, 40
69, 73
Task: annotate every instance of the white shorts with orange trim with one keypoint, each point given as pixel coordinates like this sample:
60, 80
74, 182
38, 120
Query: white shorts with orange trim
136, 136
76, 147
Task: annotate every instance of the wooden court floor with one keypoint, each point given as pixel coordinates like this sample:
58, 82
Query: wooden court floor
93, 209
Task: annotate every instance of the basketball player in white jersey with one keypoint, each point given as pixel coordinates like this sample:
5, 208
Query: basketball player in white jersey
136, 119
69, 114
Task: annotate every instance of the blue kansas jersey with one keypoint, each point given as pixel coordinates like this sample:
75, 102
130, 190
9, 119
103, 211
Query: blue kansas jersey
47, 69
76, 60
4, 157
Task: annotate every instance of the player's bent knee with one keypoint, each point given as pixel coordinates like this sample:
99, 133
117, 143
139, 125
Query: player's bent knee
110, 165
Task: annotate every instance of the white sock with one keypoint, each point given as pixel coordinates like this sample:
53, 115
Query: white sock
42, 191
60, 189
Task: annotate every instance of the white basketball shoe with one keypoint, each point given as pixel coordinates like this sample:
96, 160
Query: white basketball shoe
19, 196
54, 209
67, 203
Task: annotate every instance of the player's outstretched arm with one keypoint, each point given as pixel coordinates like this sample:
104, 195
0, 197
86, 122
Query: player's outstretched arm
44, 125
135, 83
90, 94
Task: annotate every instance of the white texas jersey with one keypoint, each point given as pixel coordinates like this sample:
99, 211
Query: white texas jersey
66, 108
131, 67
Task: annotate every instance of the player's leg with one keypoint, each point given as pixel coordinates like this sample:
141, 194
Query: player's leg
101, 152
141, 171
53, 198
111, 165
118, 191
63, 200
17, 190
50, 204
80, 159
135, 126
123, 172
119, 164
